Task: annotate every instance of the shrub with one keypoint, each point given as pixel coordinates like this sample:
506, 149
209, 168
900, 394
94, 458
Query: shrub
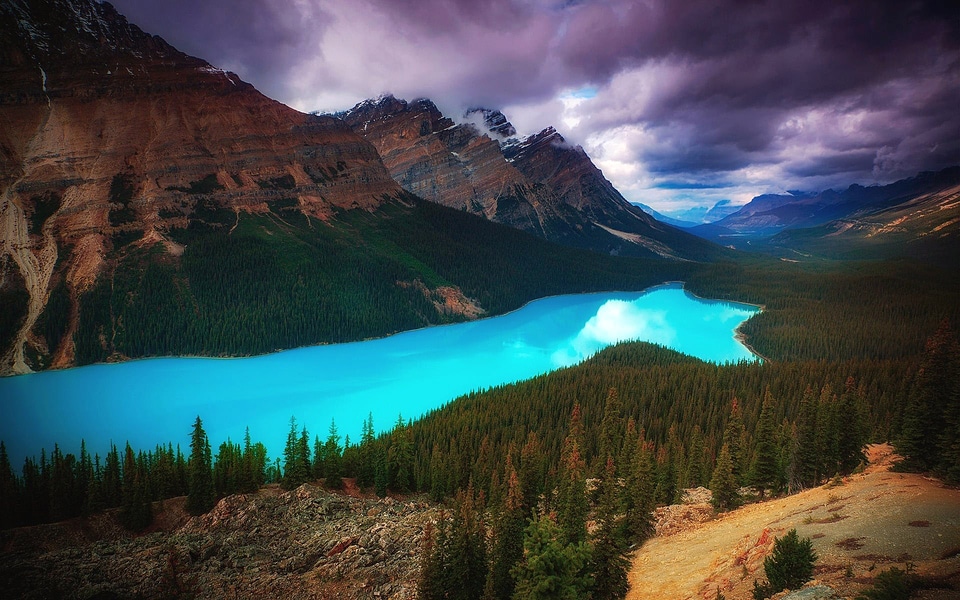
893, 584
789, 567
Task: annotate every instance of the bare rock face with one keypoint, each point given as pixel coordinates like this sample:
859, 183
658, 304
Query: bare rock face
305, 543
108, 132
538, 184
454, 165
547, 158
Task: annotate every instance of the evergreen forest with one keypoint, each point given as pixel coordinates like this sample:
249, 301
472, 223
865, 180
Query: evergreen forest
853, 352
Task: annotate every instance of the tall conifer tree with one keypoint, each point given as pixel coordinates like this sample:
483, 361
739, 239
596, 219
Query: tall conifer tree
572, 504
764, 473
609, 562
200, 491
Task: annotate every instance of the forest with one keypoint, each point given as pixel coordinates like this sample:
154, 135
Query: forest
852, 353
252, 284
522, 467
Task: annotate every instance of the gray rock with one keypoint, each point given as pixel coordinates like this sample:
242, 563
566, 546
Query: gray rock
817, 592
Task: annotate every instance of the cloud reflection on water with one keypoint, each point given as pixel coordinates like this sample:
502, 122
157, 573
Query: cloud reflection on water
616, 321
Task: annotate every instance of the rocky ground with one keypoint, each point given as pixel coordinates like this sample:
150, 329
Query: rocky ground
311, 543
865, 524
306, 543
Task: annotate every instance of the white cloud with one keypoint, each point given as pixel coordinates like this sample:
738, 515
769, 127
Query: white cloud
615, 321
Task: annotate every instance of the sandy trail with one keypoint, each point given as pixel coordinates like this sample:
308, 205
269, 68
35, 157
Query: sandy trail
873, 521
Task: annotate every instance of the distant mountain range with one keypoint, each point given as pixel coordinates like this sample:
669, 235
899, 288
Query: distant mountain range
918, 216
697, 215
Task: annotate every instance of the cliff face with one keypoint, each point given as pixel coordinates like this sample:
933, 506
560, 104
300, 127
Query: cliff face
548, 159
538, 184
454, 165
111, 136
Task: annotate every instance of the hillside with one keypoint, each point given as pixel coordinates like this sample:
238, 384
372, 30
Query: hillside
924, 226
305, 543
111, 138
871, 522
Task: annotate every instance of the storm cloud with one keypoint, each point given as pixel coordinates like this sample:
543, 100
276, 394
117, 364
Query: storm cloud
734, 98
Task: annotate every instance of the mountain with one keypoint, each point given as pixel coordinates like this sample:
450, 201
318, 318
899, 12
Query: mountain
539, 184
665, 219
770, 214
923, 225
154, 205
112, 137
698, 215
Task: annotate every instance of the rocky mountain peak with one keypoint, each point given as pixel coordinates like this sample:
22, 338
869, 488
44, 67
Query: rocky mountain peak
424, 112
86, 49
80, 28
493, 121
530, 145
540, 184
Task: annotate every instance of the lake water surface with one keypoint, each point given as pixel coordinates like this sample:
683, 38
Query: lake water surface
153, 401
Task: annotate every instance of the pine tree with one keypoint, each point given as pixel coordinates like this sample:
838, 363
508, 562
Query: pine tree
135, 513
828, 432
695, 476
367, 467
609, 563
381, 473
788, 567
723, 484
200, 490
641, 498
805, 459
572, 504
733, 437
296, 458
438, 475
532, 471
507, 548
852, 435
111, 485
400, 457
84, 480
9, 508
319, 458
431, 584
930, 435
611, 430
303, 463
333, 468
549, 569
764, 473
467, 565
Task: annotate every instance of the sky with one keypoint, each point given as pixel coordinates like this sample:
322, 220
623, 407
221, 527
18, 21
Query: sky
681, 103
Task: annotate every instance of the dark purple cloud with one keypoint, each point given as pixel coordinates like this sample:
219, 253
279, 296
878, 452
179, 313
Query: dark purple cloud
744, 95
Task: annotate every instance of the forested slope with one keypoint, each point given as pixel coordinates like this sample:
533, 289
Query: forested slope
254, 283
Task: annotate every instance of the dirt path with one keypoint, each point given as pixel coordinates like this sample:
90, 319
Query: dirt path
873, 521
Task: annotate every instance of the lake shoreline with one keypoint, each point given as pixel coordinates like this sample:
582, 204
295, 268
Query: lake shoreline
670, 284
409, 373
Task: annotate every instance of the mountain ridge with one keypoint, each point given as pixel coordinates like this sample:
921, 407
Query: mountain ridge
768, 214
916, 217
539, 183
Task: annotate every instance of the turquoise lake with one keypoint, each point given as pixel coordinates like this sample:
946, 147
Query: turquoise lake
156, 400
